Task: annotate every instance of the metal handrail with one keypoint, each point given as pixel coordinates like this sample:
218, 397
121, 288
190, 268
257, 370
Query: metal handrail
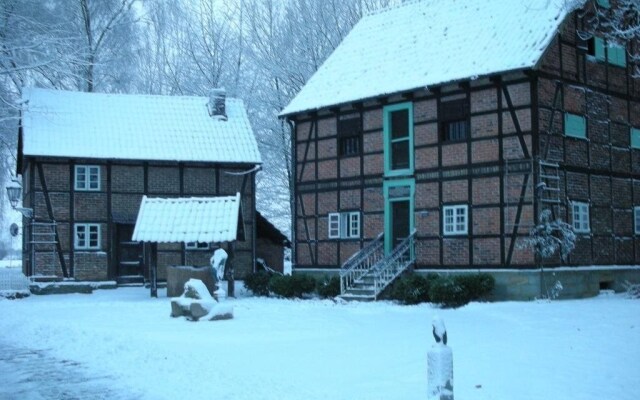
361, 262
394, 264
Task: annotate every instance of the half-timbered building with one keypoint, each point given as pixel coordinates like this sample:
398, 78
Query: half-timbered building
88, 159
438, 131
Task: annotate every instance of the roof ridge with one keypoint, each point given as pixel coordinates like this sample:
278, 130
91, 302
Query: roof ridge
394, 6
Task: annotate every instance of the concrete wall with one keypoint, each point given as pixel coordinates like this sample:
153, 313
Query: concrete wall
524, 285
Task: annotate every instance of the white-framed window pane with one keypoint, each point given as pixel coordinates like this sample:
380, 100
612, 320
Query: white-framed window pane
81, 177
81, 236
354, 225
87, 177
580, 217
94, 236
334, 225
455, 220
87, 236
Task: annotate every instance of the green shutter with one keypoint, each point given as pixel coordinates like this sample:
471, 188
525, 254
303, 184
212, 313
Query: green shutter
604, 3
599, 48
635, 138
575, 126
617, 55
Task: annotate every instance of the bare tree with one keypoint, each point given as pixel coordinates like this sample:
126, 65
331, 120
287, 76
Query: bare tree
617, 21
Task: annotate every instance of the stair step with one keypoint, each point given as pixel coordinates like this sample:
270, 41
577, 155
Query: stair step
351, 297
360, 292
130, 280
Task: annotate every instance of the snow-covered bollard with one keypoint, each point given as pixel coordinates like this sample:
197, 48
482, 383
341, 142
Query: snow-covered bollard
440, 364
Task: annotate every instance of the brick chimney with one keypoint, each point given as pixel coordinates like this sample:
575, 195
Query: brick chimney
217, 99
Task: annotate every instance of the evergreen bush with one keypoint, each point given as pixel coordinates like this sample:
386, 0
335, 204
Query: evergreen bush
447, 292
290, 286
478, 286
258, 283
456, 291
328, 287
412, 289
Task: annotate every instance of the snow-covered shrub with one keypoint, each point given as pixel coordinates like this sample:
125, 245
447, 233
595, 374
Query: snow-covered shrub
549, 237
290, 286
633, 289
328, 287
258, 283
554, 292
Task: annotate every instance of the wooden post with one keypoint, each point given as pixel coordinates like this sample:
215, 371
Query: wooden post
153, 273
231, 250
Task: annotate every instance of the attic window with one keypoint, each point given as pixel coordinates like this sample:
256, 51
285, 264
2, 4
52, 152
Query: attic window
349, 134
87, 177
454, 120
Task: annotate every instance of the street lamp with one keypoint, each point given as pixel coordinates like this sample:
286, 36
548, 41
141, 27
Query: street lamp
14, 192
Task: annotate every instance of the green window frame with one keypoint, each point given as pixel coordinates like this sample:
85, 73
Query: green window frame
575, 126
635, 138
398, 138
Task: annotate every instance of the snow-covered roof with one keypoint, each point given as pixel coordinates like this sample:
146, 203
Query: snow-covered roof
194, 219
135, 127
431, 42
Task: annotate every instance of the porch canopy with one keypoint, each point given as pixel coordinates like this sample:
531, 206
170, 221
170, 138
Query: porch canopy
193, 219
185, 220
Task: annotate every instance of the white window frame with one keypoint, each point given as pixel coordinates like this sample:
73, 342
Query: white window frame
87, 171
85, 242
344, 225
197, 246
636, 220
450, 226
580, 217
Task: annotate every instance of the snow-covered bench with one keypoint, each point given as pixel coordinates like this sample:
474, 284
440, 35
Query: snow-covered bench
196, 303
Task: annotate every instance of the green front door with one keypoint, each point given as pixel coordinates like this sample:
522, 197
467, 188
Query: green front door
398, 212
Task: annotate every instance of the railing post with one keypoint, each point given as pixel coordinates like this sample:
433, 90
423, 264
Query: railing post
439, 365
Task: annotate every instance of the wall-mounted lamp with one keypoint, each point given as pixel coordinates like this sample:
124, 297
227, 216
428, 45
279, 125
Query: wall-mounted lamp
14, 192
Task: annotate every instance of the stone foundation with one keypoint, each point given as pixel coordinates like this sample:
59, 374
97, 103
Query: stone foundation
526, 284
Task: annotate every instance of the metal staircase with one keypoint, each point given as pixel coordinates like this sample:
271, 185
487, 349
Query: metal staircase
368, 272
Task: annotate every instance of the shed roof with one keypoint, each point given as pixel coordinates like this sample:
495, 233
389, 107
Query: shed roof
432, 42
134, 127
194, 219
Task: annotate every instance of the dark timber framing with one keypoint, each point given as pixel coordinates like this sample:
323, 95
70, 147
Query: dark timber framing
50, 191
516, 121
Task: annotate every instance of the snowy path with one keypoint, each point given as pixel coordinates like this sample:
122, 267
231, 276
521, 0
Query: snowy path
35, 375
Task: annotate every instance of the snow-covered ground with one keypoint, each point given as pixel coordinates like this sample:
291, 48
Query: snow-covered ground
319, 349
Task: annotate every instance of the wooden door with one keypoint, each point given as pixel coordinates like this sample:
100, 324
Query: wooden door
129, 253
